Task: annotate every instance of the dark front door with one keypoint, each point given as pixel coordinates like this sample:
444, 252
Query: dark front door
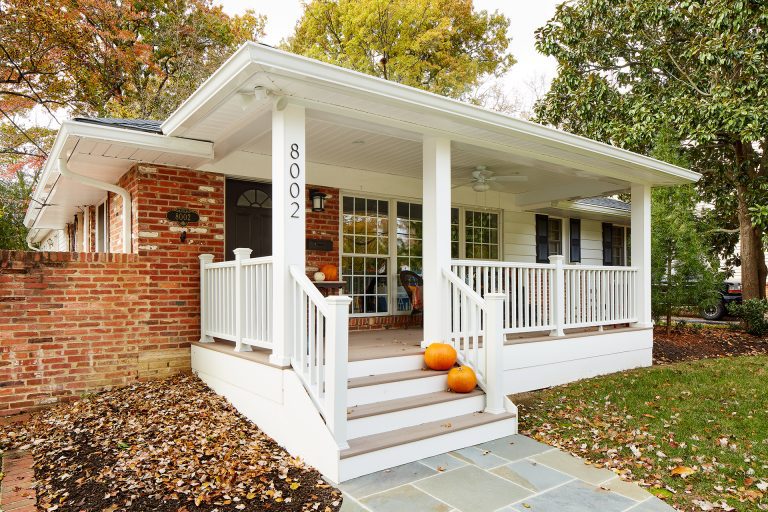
248, 217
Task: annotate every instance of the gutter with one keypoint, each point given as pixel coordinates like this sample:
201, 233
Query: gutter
29, 242
124, 194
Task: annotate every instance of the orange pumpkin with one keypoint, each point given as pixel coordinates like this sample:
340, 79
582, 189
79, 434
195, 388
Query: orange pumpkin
331, 272
440, 356
462, 379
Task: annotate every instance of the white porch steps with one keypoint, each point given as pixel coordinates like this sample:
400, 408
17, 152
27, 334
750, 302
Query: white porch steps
399, 414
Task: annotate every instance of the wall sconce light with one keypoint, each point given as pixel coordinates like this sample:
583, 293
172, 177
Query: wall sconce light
318, 200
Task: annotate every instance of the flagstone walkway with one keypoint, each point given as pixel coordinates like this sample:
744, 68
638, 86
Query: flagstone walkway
513, 474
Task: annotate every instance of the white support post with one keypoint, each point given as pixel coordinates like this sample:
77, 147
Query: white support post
641, 252
336, 362
558, 295
288, 220
205, 259
493, 343
436, 236
241, 253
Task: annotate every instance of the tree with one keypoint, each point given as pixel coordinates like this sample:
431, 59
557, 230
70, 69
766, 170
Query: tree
442, 46
628, 68
124, 58
684, 271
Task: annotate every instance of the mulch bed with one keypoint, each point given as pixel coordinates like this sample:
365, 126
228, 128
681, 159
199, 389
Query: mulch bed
164, 445
688, 343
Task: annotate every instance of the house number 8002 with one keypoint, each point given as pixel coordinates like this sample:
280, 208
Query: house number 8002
294, 189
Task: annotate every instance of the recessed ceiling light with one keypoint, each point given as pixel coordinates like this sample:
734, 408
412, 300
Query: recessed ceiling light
358, 141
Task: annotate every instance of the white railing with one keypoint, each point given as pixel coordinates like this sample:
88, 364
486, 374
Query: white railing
527, 286
320, 349
597, 295
236, 300
475, 331
553, 296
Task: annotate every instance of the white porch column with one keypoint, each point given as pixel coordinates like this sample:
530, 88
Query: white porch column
641, 251
436, 235
288, 219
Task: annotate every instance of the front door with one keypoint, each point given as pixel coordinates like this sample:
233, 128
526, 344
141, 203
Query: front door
248, 217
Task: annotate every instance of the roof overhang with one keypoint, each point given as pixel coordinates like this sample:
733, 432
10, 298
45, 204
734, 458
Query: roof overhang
333, 89
103, 153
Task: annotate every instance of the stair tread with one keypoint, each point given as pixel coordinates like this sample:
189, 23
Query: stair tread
385, 378
410, 402
367, 444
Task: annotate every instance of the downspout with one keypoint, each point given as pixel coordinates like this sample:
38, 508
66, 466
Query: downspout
29, 242
67, 173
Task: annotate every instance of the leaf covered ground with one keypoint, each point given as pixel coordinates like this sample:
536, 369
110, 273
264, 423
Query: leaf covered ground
164, 445
694, 433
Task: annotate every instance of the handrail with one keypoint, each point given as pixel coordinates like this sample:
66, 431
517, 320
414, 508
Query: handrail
311, 290
500, 264
464, 287
598, 267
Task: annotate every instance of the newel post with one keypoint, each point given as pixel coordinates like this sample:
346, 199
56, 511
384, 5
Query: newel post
241, 254
205, 259
493, 343
336, 362
557, 299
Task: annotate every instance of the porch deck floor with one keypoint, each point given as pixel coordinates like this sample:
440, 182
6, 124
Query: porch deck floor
381, 343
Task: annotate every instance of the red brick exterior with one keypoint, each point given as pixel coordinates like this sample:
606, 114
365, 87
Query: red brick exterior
324, 226
74, 322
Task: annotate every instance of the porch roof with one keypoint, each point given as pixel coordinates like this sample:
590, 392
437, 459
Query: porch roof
227, 120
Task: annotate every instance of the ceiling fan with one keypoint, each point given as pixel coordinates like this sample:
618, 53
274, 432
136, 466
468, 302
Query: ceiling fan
482, 179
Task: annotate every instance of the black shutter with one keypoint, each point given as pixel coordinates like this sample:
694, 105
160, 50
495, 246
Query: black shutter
575, 240
542, 239
607, 244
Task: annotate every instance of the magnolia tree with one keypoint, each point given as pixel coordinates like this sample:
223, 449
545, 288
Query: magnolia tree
629, 69
442, 46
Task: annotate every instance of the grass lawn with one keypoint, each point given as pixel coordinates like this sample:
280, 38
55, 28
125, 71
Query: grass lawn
695, 432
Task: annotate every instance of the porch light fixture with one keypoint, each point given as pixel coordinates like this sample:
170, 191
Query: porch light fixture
318, 200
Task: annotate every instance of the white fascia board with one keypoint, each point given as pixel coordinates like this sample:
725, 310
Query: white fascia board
593, 209
290, 64
133, 138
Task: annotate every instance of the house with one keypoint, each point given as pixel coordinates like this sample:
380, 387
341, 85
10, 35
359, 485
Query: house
279, 165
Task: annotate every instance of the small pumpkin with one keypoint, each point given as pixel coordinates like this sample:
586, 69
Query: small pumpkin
440, 356
462, 379
330, 271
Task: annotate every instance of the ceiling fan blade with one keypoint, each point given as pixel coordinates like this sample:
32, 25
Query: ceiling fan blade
463, 184
509, 178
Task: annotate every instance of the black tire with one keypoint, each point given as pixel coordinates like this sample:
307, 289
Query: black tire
713, 312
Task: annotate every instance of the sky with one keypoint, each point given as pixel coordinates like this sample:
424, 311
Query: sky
525, 16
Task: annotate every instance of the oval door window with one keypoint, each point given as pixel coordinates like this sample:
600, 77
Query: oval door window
255, 198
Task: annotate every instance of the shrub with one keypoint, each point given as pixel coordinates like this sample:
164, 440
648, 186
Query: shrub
752, 315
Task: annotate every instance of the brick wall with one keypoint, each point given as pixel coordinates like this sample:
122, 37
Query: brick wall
324, 226
75, 322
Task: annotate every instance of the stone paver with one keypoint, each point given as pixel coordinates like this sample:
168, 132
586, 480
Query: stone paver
513, 474
578, 497
488, 492
532, 475
574, 466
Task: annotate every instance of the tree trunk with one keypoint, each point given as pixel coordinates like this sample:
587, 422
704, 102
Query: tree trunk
753, 268
669, 284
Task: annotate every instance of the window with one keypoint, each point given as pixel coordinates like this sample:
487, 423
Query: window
409, 246
102, 227
481, 235
549, 238
615, 245
555, 236
382, 237
365, 253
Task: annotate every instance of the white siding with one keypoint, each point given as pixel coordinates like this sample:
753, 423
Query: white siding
591, 242
519, 236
